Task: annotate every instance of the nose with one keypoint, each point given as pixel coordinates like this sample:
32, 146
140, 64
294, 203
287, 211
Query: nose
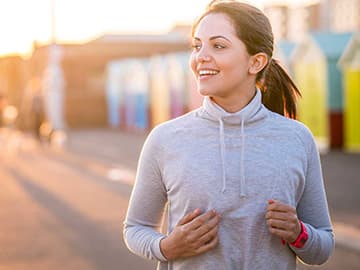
203, 55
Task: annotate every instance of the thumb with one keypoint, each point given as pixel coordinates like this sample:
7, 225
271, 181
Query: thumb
189, 217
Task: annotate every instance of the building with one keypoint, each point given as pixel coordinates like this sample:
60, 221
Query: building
84, 70
293, 22
279, 18
12, 79
344, 15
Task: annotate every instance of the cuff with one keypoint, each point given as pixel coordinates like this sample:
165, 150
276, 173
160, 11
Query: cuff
157, 251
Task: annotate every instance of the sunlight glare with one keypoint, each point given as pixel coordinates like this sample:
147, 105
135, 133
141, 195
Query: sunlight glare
23, 22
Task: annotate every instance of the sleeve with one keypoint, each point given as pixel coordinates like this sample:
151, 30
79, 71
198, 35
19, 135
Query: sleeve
313, 211
146, 206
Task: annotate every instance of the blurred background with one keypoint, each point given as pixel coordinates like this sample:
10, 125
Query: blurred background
83, 82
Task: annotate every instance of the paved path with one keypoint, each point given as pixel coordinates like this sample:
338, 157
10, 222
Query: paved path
60, 211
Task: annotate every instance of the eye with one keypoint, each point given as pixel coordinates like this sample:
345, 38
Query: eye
219, 46
196, 47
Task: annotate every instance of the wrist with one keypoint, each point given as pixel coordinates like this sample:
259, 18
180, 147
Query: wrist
302, 237
167, 249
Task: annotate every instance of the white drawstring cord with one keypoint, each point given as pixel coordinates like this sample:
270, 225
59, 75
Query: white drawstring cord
242, 172
222, 152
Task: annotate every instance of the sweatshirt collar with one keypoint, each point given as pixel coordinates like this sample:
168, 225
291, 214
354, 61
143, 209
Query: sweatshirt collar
250, 113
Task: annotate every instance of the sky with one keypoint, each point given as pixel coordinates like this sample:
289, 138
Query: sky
24, 21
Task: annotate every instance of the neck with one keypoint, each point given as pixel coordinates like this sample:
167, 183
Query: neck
234, 103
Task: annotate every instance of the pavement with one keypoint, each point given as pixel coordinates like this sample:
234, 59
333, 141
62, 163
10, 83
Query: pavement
341, 174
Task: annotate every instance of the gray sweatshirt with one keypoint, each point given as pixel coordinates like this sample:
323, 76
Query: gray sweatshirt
233, 163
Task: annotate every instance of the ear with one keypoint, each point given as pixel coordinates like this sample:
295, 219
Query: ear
257, 63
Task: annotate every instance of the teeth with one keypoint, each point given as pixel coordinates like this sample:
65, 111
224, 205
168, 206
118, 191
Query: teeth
208, 72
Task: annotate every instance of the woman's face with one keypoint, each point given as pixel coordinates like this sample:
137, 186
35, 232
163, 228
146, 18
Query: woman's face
219, 60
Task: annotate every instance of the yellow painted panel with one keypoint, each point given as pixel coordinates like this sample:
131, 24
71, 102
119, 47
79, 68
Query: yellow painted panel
311, 80
160, 100
352, 110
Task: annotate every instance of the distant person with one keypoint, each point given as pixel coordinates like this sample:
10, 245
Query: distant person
241, 179
38, 113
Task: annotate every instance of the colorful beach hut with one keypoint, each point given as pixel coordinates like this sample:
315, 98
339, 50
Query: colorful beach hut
159, 90
283, 52
114, 91
350, 64
317, 75
177, 76
190, 97
136, 84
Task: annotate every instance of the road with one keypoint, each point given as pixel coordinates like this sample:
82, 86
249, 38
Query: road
64, 209
58, 212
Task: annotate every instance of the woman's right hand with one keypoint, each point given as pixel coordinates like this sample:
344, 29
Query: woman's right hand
195, 233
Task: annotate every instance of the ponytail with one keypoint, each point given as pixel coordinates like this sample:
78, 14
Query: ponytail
279, 92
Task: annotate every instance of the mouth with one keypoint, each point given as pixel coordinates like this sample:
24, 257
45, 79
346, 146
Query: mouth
207, 73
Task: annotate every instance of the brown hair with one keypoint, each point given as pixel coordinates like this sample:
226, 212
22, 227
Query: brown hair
279, 93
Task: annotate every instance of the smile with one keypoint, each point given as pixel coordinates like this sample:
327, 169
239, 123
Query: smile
206, 72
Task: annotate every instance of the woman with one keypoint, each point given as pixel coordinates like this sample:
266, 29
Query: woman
242, 180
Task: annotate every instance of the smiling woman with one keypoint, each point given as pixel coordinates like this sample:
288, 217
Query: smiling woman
239, 176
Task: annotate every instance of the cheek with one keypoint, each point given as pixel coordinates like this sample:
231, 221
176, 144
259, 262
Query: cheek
192, 62
238, 67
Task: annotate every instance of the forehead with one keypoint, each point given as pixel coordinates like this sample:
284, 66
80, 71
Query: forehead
215, 24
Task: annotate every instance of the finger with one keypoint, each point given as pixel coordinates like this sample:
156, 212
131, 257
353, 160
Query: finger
208, 226
189, 217
280, 224
271, 201
284, 234
200, 220
286, 230
207, 237
279, 206
209, 245
279, 215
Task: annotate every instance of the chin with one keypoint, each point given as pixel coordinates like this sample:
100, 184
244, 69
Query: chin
205, 92
202, 93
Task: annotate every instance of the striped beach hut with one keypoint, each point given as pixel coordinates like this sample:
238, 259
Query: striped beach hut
160, 107
137, 94
283, 52
177, 75
350, 64
114, 91
316, 73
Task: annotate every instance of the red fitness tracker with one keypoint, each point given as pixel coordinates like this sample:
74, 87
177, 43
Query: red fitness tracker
302, 238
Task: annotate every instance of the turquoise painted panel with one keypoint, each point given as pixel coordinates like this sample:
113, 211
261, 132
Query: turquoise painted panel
335, 90
332, 44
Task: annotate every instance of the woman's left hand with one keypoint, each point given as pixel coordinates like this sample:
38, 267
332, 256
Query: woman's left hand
282, 221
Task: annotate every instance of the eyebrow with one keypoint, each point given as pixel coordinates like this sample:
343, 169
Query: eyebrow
215, 37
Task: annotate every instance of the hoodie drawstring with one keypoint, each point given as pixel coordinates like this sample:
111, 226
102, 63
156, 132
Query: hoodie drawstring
222, 153
242, 166
253, 113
